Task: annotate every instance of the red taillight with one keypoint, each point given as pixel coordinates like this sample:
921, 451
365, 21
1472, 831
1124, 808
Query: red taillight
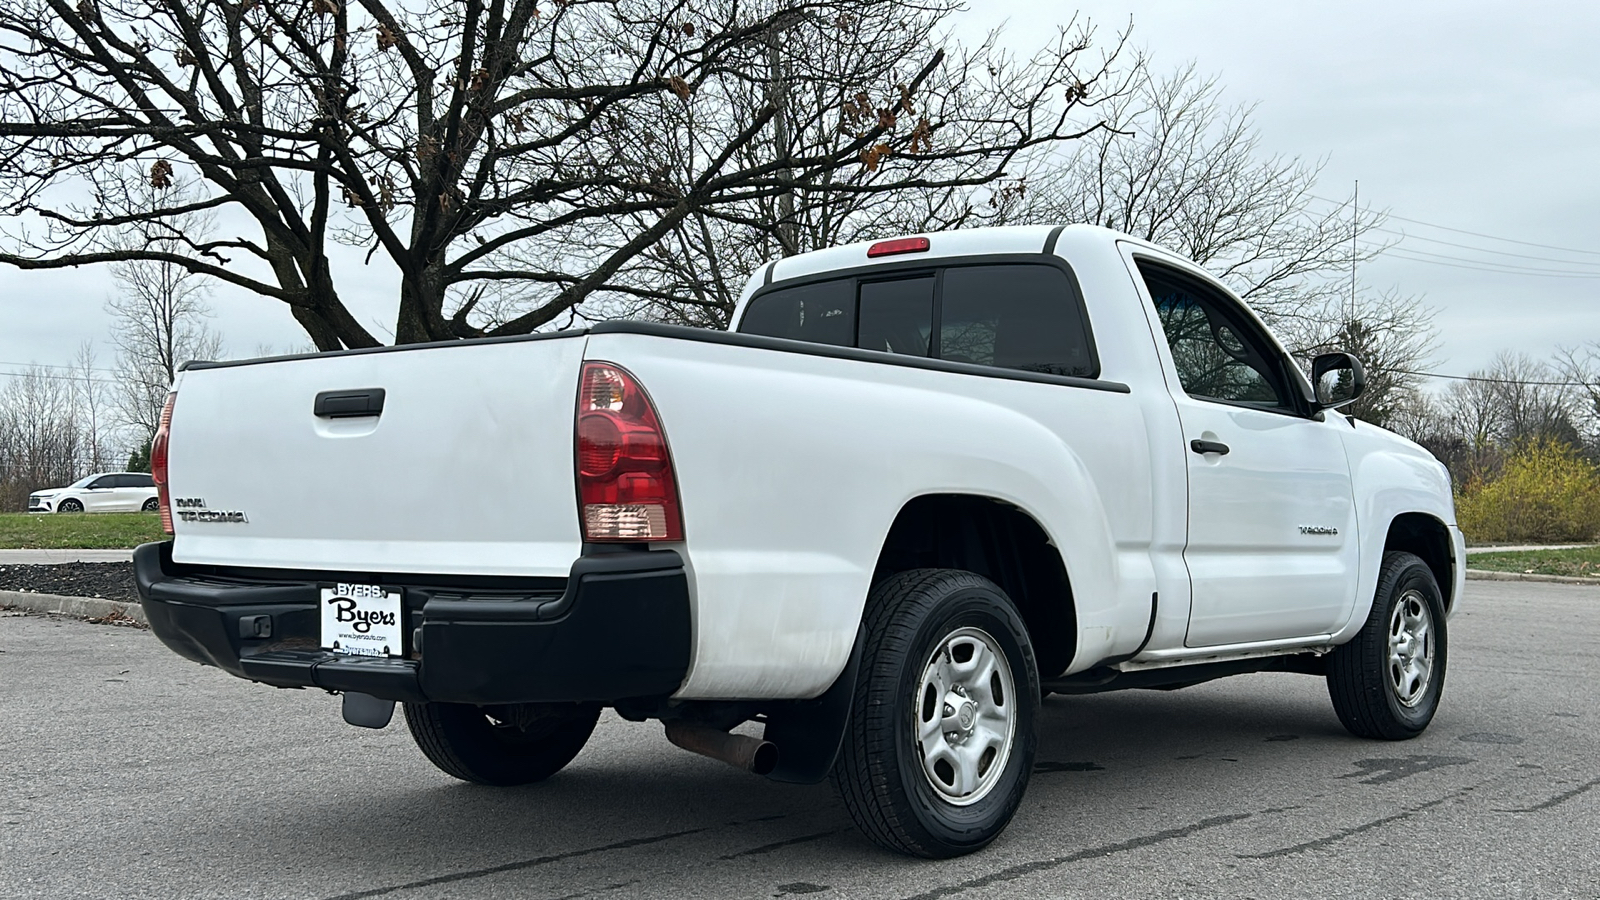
158, 463
899, 245
626, 488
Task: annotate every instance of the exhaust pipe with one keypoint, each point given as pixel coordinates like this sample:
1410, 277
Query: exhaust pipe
747, 753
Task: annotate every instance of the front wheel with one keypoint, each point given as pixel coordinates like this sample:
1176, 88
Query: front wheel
501, 745
70, 506
941, 739
1386, 682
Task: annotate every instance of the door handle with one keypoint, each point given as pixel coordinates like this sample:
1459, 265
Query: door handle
349, 403
1216, 447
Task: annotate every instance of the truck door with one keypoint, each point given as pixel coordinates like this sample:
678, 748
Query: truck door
1271, 551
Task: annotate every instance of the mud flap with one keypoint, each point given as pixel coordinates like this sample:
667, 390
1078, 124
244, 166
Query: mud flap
808, 733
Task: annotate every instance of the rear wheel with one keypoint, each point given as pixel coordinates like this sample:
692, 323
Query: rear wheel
941, 741
151, 505
70, 506
1386, 682
500, 745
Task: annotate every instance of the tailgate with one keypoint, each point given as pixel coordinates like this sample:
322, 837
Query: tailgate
468, 469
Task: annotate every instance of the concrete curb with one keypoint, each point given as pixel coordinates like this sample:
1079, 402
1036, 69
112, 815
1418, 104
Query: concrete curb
57, 557
77, 607
1486, 575
1525, 548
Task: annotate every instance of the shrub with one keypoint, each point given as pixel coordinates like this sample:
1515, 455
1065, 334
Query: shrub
1545, 492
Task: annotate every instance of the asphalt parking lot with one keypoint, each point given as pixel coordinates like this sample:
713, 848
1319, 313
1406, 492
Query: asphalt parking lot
128, 772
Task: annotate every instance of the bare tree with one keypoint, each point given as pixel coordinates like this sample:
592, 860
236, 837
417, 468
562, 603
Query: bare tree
1530, 401
511, 158
1475, 422
1177, 168
1580, 367
160, 315
41, 441
89, 401
1394, 337
695, 273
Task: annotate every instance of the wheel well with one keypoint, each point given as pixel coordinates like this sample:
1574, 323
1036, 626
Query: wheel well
1428, 538
1003, 544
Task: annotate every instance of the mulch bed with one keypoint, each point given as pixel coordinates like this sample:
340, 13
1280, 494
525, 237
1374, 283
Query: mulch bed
110, 581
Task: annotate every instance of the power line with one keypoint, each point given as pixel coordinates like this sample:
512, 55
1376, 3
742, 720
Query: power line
1482, 268
1485, 379
1509, 268
1491, 237
1401, 247
1401, 252
12, 362
58, 377
1417, 237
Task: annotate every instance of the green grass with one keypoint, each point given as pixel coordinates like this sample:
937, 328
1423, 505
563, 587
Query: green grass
1580, 561
88, 531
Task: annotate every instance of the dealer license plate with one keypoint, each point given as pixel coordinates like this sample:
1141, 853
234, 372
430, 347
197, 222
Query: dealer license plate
361, 619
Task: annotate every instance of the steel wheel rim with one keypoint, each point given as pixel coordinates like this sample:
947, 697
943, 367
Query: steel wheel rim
964, 716
1411, 648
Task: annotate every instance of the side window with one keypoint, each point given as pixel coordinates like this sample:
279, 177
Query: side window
822, 313
104, 481
896, 316
1015, 317
1219, 353
138, 481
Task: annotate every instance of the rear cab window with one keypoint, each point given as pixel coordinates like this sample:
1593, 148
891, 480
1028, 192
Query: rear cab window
1025, 316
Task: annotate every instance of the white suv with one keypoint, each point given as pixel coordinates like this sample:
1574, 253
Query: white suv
107, 492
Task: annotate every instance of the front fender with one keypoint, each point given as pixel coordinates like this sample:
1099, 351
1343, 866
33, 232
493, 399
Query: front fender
1392, 477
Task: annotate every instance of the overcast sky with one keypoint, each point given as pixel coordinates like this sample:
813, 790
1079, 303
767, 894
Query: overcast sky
1480, 117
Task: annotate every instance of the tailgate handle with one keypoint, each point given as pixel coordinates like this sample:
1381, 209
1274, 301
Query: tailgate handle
349, 404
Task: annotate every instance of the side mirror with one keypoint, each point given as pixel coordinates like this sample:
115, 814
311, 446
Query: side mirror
1340, 390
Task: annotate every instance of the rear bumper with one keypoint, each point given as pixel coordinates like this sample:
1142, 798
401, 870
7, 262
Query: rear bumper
617, 628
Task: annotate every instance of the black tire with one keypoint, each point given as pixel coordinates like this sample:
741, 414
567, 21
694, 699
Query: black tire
151, 505
70, 505
880, 774
500, 745
1366, 686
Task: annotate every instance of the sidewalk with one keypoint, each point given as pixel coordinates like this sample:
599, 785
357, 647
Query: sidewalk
1521, 548
47, 557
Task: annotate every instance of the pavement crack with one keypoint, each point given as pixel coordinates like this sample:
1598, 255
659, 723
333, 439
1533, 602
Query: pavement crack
779, 845
1558, 799
1336, 836
1042, 865
1354, 830
514, 866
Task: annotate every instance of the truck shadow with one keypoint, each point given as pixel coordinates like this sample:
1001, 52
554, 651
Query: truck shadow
640, 799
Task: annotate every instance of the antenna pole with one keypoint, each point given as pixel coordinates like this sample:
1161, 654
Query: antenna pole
1355, 205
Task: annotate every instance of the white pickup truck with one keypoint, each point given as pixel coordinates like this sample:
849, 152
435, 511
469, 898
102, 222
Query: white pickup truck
920, 485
